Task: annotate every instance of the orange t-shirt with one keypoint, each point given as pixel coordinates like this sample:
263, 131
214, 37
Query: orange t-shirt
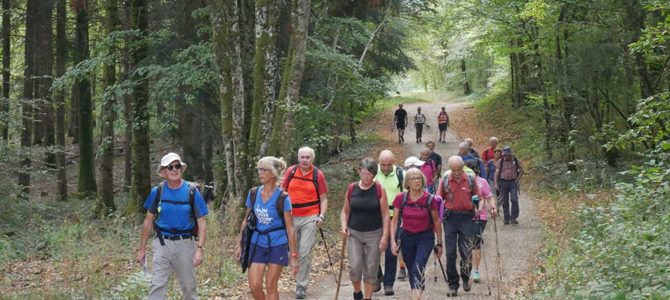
302, 191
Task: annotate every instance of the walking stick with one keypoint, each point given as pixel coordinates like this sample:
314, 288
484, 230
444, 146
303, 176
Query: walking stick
486, 266
339, 277
323, 237
495, 230
444, 274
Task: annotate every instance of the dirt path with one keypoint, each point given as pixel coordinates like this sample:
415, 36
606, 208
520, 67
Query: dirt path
517, 243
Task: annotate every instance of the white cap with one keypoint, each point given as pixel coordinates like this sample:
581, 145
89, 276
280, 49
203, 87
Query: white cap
168, 159
413, 161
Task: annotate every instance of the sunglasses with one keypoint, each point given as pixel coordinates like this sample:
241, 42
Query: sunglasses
172, 167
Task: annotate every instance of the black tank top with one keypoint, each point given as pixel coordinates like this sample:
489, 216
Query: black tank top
365, 214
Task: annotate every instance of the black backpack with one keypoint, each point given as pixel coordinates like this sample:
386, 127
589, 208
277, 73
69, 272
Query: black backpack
400, 175
248, 231
192, 187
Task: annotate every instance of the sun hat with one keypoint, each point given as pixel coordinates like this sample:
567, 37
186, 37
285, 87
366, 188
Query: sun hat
413, 161
168, 159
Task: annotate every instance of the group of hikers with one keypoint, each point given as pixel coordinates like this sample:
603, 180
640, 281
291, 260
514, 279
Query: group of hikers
403, 213
400, 120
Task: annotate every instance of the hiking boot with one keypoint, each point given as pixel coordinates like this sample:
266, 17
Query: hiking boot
388, 291
300, 293
358, 295
466, 285
515, 222
452, 292
475, 276
402, 274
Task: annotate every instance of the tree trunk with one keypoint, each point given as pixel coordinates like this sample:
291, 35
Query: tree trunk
87, 184
265, 74
6, 67
294, 68
127, 104
44, 62
634, 21
59, 97
141, 180
105, 202
24, 175
466, 83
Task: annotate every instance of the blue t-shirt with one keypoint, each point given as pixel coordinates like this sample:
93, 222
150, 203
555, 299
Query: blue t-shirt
492, 169
266, 214
478, 161
175, 209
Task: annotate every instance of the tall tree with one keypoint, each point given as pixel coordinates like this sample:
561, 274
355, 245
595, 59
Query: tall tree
44, 121
107, 116
6, 56
59, 97
127, 102
141, 180
87, 184
27, 99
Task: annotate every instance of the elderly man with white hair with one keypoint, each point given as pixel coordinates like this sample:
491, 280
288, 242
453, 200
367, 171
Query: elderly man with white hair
489, 153
458, 189
465, 153
306, 186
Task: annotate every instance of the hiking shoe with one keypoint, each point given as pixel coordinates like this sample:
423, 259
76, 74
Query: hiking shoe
452, 292
358, 295
402, 274
300, 292
506, 222
388, 291
515, 222
475, 276
466, 285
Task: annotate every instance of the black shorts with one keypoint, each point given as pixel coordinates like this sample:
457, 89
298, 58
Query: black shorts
478, 239
400, 125
442, 127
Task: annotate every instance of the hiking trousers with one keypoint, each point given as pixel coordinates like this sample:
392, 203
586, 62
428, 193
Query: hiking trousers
419, 130
175, 256
510, 195
459, 230
305, 234
416, 249
364, 254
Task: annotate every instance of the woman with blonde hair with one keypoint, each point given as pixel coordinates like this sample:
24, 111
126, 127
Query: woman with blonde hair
273, 235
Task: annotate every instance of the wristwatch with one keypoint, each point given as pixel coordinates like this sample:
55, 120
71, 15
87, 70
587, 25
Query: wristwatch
322, 218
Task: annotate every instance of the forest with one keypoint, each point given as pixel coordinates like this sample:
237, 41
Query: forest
94, 92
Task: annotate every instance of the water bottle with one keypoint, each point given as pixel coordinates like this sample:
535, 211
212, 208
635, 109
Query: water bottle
475, 200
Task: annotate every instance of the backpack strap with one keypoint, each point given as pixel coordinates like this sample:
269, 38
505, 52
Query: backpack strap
400, 175
157, 205
280, 207
350, 189
430, 215
315, 180
378, 188
192, 187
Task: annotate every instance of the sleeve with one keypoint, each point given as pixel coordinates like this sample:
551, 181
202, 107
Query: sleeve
247, 203
200, 205
287, 204
438, 159
323, 187
148, 203
484, 188
435, 204
397, 202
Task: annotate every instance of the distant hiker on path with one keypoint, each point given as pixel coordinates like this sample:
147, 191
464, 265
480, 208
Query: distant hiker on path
429, 169
391, 178
176, 210
457, 190
419, 122
508, 172
400, 120
307, 189
436, 158
443, 124
417, 216
365, 224
274, 235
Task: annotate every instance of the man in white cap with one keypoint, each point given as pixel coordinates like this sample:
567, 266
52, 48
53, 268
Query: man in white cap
176, 210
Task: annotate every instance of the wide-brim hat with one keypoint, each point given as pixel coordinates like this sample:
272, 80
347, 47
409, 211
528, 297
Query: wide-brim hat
507, 150
168, 159
413, 161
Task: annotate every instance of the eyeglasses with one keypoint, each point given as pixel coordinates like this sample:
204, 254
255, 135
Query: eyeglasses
414, 178
172, 167
261, 170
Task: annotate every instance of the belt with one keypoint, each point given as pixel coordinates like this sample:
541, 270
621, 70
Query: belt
460, 212
508, 179
178, 237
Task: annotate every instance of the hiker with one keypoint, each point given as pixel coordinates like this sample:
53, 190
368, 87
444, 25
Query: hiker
436, 158
488, 153
365, 223
457, 189
273, 236
429, 169
417, 215
506, 182
419, 121
490, 169
390, 177
465, 153
472, 150
443, 124
400, 120
307, 189
488, 203
176, 211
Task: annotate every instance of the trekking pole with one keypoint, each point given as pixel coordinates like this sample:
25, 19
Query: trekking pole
339, 277
483, 256
435, 269
330, 260
495, 230
444, 274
